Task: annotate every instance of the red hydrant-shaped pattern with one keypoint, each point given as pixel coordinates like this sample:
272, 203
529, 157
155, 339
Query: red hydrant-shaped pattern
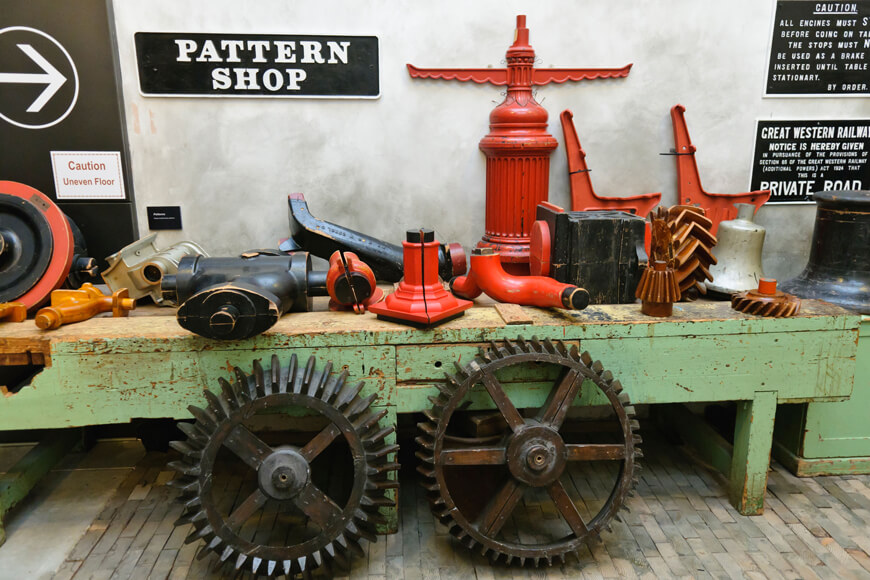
518, 147
517, 150
720, 206
420, 298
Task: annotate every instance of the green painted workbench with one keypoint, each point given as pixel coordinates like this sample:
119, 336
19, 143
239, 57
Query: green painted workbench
113, 370
829, 438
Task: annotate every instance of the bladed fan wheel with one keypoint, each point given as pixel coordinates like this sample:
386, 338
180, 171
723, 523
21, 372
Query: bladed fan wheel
478, 485
286, 514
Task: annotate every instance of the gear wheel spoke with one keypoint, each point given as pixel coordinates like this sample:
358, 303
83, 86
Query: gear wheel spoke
556, 408
566, 507
501, 507
247, 446
595, 452
320, 442
246, 509
317, 505
476, 482
502, 402
283, 523
477, 456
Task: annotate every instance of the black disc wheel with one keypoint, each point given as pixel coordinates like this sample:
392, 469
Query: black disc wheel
285, 509
484, 485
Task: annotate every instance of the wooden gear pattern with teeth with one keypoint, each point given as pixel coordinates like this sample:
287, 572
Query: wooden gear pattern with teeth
529, 454
693, 249
658, 288
766, 301
284, 473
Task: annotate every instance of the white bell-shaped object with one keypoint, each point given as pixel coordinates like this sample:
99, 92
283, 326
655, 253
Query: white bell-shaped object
738, 253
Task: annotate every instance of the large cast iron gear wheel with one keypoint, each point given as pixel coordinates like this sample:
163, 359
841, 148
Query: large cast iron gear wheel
532, 453
284, 475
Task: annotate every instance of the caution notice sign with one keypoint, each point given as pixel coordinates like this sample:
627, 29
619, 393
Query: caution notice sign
819, 49
793, 159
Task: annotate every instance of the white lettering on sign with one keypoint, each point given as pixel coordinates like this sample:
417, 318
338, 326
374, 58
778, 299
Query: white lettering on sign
88, 174
249, 78
260, 51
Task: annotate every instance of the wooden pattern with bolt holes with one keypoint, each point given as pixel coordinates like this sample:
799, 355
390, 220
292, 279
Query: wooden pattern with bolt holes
680, 525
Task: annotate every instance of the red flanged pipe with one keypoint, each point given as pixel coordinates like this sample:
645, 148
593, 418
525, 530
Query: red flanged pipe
486, 275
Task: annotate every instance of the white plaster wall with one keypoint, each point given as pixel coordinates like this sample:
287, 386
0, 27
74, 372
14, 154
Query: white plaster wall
410, 158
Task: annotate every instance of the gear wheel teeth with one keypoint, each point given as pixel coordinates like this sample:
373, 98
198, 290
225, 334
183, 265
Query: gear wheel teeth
598, 368
243, 389
549, 346
693, 244
776, 305
335, 386
453, 382
317, 390
259, 378
228, 394
434, 430
216, 405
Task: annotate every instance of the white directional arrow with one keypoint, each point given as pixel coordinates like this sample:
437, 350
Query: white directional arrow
51, 77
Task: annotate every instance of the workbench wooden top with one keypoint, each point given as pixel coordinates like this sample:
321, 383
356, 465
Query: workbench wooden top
151, 326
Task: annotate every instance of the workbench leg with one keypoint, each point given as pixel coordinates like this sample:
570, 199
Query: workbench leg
753, 437
17, 483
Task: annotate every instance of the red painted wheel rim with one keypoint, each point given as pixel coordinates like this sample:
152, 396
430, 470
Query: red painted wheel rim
62, 242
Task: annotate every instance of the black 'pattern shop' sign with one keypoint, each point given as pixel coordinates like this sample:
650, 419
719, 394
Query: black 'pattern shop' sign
257, 65
820, 48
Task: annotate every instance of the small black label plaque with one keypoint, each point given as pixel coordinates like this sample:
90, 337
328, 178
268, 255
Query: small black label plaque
164, 217
257, 65
819, 48
793, 159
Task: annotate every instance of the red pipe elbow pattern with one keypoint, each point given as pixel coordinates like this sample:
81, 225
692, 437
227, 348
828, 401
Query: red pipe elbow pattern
486, 275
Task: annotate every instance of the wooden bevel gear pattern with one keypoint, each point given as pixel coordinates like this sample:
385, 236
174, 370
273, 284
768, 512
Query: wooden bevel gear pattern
693, 249
527, 454
285, 475
658, 288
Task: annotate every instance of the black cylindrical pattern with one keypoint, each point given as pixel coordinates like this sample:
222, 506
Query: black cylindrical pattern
838, 269
421, 235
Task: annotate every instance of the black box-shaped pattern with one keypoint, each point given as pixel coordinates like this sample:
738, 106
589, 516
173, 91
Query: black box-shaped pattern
601, 251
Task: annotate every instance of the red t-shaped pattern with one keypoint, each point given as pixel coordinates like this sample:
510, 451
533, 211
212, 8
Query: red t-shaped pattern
518, 146
509, 76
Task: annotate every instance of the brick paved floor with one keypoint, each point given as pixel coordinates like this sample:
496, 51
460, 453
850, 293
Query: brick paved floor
680, 525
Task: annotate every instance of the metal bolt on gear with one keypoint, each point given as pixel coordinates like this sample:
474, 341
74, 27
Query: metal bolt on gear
284, 474
532, 449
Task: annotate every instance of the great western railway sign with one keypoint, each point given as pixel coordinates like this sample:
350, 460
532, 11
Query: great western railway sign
257, 65
795, 158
